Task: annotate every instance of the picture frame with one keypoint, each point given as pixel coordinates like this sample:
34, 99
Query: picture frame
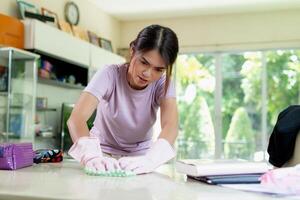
80, 33
25, 6
105, 44
50, 13
65, 26
93, 38
124, 52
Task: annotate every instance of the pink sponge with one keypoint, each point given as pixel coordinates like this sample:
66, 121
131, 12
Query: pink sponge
15, 156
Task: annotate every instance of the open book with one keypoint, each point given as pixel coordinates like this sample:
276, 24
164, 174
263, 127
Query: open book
197, 168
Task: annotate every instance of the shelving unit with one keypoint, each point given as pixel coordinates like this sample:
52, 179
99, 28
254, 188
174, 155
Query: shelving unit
59, 84
66, 48
19, 99
37, 109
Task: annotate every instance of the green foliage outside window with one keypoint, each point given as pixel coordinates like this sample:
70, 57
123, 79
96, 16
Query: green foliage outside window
239, 142
242, 94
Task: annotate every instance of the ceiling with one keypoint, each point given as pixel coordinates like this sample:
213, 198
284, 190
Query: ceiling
128, 10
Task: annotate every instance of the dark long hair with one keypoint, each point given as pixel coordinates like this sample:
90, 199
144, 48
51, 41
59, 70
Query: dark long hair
162, 39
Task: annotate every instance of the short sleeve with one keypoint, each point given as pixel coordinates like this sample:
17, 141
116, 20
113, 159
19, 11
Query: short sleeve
160, 90
102, 83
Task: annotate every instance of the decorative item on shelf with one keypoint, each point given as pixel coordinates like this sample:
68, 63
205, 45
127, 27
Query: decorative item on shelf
3, 79
43, 130
105, 44
80, 33
11, 32
37, 125
79, 84
38, 17
51, 14
93, 38
41, 102
124, 52
65, 26
72, 13
44, 74
71, 79
45, 69
25, 6
16, 124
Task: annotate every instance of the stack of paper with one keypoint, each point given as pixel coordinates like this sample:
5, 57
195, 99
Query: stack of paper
222, 171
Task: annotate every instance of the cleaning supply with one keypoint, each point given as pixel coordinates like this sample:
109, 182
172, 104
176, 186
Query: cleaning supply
87, 151
16, 155
48, 155
114, 173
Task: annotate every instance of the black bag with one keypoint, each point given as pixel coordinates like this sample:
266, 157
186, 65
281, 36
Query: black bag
283, 138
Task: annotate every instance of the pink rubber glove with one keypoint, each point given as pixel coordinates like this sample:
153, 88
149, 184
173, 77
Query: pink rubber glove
285, 180
159, 153
87, 151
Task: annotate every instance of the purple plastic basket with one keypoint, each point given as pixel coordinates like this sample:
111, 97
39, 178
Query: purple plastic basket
15, 156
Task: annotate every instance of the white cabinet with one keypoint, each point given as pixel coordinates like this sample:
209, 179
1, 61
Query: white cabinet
100, 57
58, 44
55, 43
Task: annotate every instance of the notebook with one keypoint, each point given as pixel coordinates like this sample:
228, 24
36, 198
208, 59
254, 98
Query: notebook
199, 167
229, 179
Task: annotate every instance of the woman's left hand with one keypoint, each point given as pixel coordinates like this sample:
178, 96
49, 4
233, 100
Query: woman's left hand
138, 165
159, 153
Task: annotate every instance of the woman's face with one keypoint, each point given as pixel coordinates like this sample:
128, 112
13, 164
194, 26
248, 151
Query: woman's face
145, 68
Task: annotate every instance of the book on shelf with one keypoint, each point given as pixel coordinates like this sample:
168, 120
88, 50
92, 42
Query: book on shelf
222, 171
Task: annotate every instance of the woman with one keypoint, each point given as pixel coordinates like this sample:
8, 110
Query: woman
127, 98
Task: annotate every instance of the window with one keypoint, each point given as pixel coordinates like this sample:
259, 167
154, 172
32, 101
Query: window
241, 107
195, 88
253, 86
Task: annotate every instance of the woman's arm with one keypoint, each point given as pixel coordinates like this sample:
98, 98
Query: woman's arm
87, 149
161, 151
169, 120
82, 111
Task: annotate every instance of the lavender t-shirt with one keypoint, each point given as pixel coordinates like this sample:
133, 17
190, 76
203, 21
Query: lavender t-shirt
125, 116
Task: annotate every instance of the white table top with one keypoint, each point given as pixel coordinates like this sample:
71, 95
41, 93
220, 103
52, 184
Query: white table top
67, 180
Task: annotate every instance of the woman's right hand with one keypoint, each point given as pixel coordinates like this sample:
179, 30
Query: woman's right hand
101, 164
87, 151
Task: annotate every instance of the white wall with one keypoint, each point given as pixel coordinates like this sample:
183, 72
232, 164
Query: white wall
276, 29
261, 30
91, 17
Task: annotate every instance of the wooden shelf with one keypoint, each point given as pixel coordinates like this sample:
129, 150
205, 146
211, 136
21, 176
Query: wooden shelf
45, 109
37, 109
3, 93
59, 84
